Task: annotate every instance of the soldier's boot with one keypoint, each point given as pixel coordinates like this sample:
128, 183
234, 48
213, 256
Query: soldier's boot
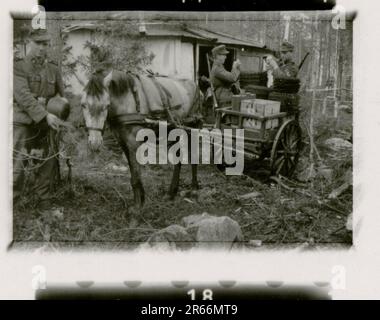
42, 188
18, 178
20, 139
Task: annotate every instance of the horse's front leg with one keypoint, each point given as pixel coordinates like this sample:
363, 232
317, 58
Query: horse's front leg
130, 146
194, 177
194, 167
175, 181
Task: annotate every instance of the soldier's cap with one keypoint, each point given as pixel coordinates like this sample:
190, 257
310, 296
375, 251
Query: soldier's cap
219, 50
40, 35
286, 47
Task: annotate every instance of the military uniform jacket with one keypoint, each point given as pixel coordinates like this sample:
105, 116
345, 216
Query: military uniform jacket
287, 70
31, 81
222, 81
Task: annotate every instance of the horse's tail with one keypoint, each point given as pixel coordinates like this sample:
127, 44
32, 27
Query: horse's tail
196, 106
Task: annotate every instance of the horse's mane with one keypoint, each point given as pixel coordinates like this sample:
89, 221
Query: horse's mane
95, 86
121, 83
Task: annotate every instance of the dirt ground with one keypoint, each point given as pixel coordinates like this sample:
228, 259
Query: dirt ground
95, 206
96, 209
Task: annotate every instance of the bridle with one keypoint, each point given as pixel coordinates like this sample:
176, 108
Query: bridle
137, 103
101, 130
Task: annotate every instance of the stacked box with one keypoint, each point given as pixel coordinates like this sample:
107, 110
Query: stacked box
267, 108
236, 100
247, 106
262, 108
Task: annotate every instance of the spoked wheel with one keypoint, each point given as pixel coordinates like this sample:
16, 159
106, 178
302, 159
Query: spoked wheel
286, 149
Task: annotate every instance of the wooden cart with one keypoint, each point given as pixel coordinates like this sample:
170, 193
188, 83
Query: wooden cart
282, 144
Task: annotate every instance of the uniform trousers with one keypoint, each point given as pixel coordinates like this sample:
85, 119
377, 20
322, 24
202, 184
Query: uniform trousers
34, 152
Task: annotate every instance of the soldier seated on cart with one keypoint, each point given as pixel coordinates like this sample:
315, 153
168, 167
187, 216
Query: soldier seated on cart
223, 80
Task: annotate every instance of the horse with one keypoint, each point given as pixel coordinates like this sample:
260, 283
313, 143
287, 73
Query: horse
126, 101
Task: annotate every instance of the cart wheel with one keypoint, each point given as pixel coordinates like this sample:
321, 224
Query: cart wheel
286, 149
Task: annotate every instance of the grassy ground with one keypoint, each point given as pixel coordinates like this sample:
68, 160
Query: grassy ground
96, 208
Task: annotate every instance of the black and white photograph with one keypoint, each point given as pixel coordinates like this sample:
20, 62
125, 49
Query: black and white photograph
182, 130
193, 152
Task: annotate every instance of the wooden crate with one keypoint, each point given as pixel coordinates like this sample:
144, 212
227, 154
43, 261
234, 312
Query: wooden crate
259, 132
257, 142
236, 100
262, 108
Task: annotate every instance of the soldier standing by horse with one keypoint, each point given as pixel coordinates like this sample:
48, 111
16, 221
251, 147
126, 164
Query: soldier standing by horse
36, 80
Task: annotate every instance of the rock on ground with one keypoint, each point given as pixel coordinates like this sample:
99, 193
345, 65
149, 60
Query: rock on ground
213, 232
203, 230
172, 236
338, 143
349, 222
195, 218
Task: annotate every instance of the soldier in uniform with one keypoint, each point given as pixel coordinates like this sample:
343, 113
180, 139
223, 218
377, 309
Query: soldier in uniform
286, 68
223, 80
36, 79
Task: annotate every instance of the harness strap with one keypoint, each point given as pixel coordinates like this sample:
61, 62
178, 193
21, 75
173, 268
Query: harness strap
142, 88
165, 98
127, 118
196, 105
135, 92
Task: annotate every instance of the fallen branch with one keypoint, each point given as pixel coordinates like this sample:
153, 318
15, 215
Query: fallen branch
300, 192
248, 195
312, 144
104, 197
338, 191
146, 221
248, 224
105, 173
320, 202
119, 194
128, 229
331, 208
323, 237
280, 183
220, 173
337, 230
249, 178
27, 156
296, 184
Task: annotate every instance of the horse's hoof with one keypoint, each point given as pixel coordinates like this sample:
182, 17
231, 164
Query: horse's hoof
194, 193
168, 197
133, 223
195, 186
134, 211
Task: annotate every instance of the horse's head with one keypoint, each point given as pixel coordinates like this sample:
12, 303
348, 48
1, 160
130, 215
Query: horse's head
98, 94
95, 102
